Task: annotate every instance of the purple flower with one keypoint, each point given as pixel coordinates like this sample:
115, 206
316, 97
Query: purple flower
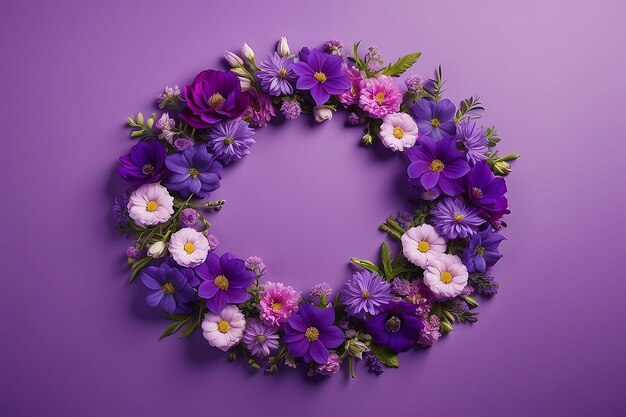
430, 333
254, 263
230, 140
438, 164
487, 191
414, 82
435, 119
310, 333
213, 96
132, 253
276, 75
454, 218
331, 367
374, 365
333, 46
321, 290
365, 293
323, 74
213, 242
473, 139
291, 109
183, 143
120, 210
188, 217
354, 119
225, 280
194, 171
261, 110
482, 251
172, 287
396, 327
144, 163
259, 338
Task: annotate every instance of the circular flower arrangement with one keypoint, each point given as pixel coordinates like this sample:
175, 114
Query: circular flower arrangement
449, 237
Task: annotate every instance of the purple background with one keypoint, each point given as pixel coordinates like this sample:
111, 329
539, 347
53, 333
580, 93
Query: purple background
77, 340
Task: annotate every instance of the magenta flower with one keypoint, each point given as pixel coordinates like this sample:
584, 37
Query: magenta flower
323, 74
356, 79
261, 110
380, 97
278, 302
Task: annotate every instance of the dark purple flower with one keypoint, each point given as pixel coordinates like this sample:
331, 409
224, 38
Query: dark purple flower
482, 251
323, 74
438, 164
374, 365
172, 287
194, 171
144, 163
487, 191
213, 96
454, 218
276, 75
396, 327
434, 119
120, 210
261, 110
310, 333
225, 280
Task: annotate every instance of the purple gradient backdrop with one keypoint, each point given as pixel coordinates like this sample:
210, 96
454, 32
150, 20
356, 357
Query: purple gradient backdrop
77, 340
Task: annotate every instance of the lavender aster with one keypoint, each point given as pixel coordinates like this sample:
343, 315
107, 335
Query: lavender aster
259, 338
321, 290
230, 140
454, 218
482, 251
290, 109
473, 139
188, 217
365, 293
276, 75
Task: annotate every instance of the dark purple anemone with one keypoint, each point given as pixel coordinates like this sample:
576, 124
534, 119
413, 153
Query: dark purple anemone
486, 191
144, 163
396, 327
171, 286
194, 171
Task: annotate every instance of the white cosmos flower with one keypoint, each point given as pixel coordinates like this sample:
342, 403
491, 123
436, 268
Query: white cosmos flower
446, 276
188, 247
398, 131
150, 204
225, 329
422, 243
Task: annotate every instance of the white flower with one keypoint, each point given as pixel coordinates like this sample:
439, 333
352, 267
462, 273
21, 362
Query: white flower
188, 247
246, 84
247, 52
422, 243
233, 59
398, 131
322, 113
157, 249
446, 276
225, 329
150, 204
283, 47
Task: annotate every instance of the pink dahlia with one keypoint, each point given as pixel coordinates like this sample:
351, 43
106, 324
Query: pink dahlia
380, 97
260, 110
352, 95
278, 301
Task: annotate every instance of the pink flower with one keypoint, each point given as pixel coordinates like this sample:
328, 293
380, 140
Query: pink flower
278, 301
352, 95
430, 334
331, 367
261, 110
380, 97
398, 131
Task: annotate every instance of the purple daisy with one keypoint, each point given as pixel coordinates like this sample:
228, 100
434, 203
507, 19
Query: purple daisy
473, 139
454, 218
365, 293
260, 339
172, 287
230, 140
438, 164
396, 327
487, 191
434, 119
194, 171
482, 251
144, 163
276, 75
225, 280
310, 333
323, 74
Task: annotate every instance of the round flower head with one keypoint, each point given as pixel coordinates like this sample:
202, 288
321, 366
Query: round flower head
487, 191
398, 131
278, 302
355, 77
188, 217
144, 163
194, 172
188, 247
150, 204
230, 140
446, 276
422, 243
482, 250
473, 139
453, 218
365, 293
321, 73
331, 367
291, 109
396, 326
255, 263
414, 82
261, 110
276, 75
225, 329
380, 97
260, 339
171, 288
435, 119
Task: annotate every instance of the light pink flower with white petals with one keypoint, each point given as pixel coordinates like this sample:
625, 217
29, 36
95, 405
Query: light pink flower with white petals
422, 243
150, 204
398, 131
446, 276
188, 247
224, 330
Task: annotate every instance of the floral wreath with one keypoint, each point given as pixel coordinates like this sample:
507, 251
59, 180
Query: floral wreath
449, 236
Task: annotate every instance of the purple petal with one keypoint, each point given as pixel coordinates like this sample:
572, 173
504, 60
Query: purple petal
429, 179
417, 169
318, 352
299, 348
332, 337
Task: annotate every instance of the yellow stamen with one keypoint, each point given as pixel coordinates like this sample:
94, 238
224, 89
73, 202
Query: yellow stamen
480, 251
379, 97
398, 132
320, 76
458, 217
216, 101
228, 141
436, 166
446, 277
282, 72
152, 206
312, 334
168, 288
193, 172
223, 326
189, 247
277, 306
423, 246
365, 294
221, 282
435, 122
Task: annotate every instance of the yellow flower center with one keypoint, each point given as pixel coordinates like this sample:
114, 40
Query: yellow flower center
193, 172
320, 76
393, 324
365, 294
480, 251
379, 97
398, 132
223, 326
221, 282
312, 334
261, 338
458, 217
152, 206
446, 277
189, 247
228, 141
147, 169
216, 101
168, 288
435, 122
277, 306
283, 72
436, 166
423, 246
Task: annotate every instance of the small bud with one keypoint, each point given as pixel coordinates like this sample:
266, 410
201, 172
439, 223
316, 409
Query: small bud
283, 47
233, 59
501, 168
446, 326
247, 52
240, 72
323, 113
158, 249
367, 139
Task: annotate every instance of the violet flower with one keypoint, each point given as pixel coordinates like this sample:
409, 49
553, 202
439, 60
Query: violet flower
323, 74
435, 119
194, 171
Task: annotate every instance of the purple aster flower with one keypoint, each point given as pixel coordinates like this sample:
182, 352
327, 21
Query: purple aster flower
454, 218
261, 110
323, 74
183, 143
434, 119
213, 242
172, 287
260, 339
225, 280
438, 164
276, 75
374, 365
213, 96
365, 293
321, 290
230, 140
194, 171
482, 250
396, 327
310, 333
291, 109
132, 253
487, 191
120, 210
414, 82
188, 217
473, 139
144, 163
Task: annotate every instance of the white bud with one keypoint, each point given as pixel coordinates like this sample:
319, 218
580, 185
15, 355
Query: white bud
323, 113
283, 47
233, 59
240, 72
246, 84
158, 249
247, 52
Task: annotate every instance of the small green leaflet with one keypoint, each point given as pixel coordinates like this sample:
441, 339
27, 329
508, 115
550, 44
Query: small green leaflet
402, 64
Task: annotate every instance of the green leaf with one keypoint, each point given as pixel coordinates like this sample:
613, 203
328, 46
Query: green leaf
171, 329
369, 265
386, 356
138, 266
385, 260
402, 64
